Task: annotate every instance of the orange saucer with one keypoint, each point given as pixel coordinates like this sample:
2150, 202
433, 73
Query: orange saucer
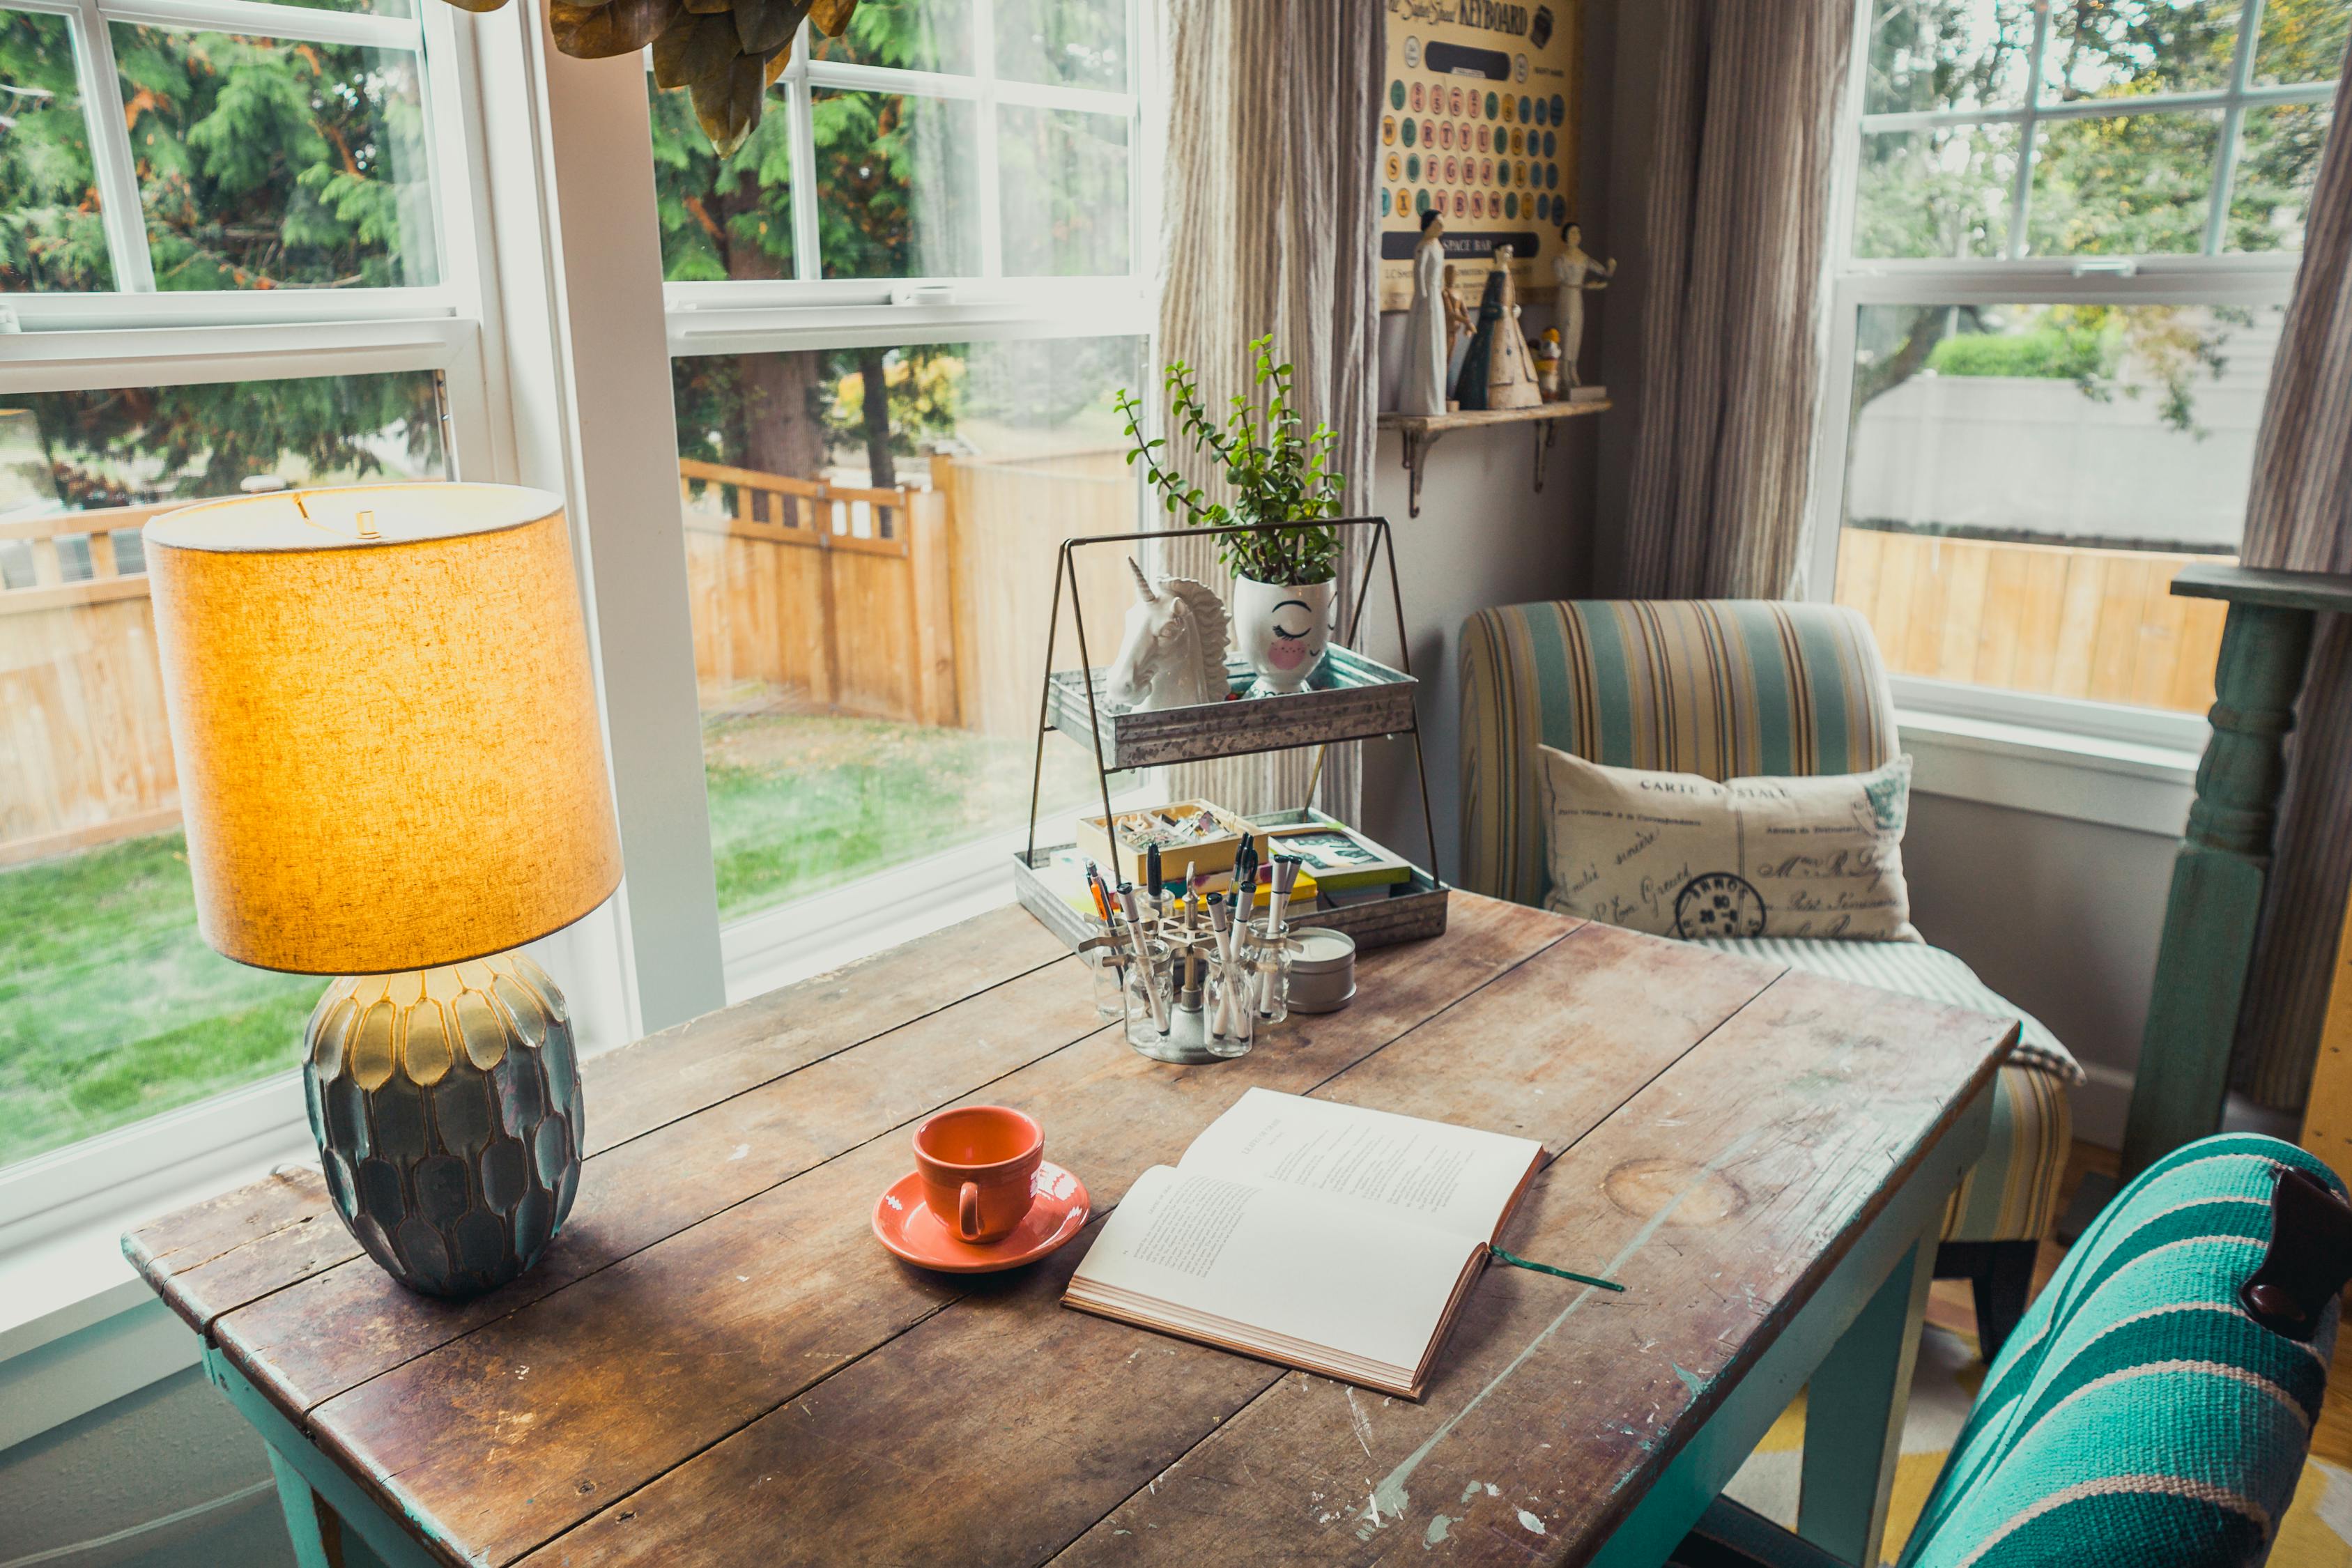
906, 1225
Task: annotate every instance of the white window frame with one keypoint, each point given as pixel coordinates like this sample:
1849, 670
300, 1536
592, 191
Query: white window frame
809, 311
60, 1212
2211, 277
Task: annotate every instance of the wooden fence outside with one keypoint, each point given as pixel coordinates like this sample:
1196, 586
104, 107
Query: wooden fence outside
925, 606
830, 595
84, 745
2095, 624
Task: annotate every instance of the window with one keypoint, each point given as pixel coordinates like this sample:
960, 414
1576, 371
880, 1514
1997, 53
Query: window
2071, 236
228, 242
870, 501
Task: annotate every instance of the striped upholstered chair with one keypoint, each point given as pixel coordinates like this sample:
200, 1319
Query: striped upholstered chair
2141, 1414
1732, 689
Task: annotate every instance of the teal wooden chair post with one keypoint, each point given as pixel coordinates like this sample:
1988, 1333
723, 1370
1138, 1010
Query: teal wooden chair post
2156, 1406
2224, 859
1732, 688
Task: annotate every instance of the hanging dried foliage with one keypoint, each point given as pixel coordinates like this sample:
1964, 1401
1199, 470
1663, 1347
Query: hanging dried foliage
727, 53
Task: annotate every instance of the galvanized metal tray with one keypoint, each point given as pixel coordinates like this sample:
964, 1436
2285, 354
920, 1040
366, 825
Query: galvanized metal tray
1412, 909
1350, 697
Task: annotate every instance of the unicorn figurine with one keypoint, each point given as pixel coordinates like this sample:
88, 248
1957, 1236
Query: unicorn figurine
1173, 652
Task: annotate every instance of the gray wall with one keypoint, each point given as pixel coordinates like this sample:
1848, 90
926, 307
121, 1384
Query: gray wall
170, 1476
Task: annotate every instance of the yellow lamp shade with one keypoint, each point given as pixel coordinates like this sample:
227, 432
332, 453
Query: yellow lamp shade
385, 723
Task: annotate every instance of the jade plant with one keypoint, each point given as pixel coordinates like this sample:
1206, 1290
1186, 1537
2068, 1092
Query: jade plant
1275, 474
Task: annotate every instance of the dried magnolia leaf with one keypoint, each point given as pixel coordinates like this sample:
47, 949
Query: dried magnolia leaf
831, 16
709, 7
618, 28
776, 63
478, 5
669, 54
762, 25
727, 104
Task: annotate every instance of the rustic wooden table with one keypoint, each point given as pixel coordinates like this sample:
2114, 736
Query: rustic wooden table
717, 1364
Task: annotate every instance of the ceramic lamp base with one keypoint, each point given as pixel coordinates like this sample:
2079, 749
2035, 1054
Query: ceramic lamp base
446, 1106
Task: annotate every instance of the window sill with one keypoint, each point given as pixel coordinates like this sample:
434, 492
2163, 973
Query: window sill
2132, 784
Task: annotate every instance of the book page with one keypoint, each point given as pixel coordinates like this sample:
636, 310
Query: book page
1455, 1179
1277, 1260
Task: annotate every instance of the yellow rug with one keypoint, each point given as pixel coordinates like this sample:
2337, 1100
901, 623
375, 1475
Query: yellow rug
2317, 1532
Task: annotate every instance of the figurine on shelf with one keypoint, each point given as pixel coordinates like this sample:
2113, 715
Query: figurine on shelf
1496, 373
1174, 655
1457, 329
1423, 389
1546, 352
1574, 272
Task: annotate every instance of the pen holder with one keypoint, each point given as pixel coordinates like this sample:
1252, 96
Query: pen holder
1229, 1017
1270, 959
1148, 996
1108, 963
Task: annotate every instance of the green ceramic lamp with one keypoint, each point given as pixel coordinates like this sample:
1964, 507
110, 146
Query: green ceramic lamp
384, 721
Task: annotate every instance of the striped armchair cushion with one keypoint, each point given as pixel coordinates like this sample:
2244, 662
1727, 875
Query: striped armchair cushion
1722, 688
2138, 1414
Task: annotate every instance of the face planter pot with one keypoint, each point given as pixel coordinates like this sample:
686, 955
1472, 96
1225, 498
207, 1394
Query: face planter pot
1282, 628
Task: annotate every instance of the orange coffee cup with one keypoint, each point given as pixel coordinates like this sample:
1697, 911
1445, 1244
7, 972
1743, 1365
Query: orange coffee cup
976, 1163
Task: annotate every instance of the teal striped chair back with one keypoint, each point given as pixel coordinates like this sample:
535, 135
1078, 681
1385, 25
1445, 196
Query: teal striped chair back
2138, 1413
1722, 688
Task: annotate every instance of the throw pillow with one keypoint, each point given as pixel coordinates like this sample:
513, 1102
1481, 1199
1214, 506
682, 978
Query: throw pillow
1678, 855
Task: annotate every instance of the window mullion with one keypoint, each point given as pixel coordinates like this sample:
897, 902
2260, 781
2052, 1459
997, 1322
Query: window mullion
119, 206
2021, 196
807, 263
992, 205
2225, 156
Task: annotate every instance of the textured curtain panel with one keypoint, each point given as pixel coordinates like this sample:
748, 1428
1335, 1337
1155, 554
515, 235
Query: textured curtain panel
2299, 519
1748, 99
1273, 137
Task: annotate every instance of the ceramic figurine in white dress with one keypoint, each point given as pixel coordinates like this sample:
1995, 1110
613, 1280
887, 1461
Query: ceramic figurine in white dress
1574, 272
1423, 387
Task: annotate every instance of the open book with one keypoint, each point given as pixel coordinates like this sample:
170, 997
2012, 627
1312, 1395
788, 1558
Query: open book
1321, 1235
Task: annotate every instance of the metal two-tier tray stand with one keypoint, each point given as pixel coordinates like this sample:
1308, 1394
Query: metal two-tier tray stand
1349, 698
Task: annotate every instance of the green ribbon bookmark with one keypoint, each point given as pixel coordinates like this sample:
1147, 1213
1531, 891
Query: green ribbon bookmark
1517, 1262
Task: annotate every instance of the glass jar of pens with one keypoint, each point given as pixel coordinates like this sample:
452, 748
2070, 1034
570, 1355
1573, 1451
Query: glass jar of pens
1190, 974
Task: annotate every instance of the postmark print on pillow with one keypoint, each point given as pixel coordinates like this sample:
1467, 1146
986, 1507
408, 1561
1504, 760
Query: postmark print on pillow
1718, 904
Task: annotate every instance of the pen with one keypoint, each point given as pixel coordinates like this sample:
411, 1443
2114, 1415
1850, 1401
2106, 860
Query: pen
1152, 881
1143, 957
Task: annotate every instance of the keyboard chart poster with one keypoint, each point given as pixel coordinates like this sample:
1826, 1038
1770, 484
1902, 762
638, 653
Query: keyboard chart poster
1478, 123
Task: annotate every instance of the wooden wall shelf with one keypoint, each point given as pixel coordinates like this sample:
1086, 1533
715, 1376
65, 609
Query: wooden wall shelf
1420, 432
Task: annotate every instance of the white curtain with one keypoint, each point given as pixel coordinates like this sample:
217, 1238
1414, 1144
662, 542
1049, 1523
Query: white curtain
2299, 519
1737, 225
1273, 139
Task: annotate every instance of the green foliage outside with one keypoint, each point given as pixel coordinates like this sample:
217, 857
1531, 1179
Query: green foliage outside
2068, 353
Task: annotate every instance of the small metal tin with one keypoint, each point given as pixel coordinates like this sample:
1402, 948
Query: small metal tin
1322, 969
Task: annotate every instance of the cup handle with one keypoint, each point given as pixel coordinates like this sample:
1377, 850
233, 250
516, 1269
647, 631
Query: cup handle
968, 1211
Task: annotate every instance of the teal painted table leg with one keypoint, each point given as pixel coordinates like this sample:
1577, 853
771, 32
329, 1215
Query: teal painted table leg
313, 1528
2217, 886
1854, 1408
1889, 1250
332, 1523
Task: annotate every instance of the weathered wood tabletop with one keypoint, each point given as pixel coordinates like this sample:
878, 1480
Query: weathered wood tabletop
717, 1364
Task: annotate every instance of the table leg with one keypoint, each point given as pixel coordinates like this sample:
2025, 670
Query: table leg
1854, 1408
310, 1524
331, 1522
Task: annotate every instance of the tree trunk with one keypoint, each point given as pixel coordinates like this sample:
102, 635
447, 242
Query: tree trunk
879, 463
780, 430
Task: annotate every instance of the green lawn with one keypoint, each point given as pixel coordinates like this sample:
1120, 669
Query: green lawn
113, 1008
803, 802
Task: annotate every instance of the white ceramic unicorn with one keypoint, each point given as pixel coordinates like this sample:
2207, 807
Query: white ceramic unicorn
1173, 654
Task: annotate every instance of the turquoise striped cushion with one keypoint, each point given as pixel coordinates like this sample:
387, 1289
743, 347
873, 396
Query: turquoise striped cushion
2138, 1414
1722, 688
